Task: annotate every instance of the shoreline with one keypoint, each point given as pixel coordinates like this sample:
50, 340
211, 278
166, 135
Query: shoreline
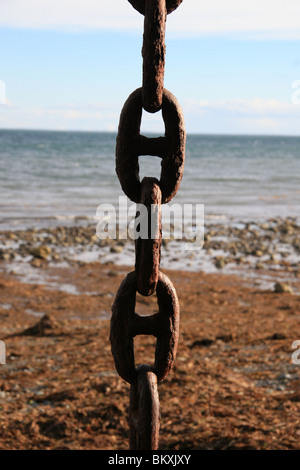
234, 385
260, 253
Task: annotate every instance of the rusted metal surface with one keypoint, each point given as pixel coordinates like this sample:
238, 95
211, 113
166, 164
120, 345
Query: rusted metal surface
131, 144
153, 51
126, 324
144, 410
149, 194
139, 5
148, 250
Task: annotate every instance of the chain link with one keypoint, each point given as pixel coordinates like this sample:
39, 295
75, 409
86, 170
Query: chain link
150, 193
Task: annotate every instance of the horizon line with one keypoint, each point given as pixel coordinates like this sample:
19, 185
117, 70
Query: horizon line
221, 134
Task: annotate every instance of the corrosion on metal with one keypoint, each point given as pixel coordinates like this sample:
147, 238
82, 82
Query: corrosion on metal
150, 194
131, 144
126, 324
144, 410
139, 5
148, 245
153, 51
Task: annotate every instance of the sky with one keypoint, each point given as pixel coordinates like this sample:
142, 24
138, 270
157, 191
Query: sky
233, 65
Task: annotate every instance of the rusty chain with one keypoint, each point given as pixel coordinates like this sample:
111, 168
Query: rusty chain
147, 278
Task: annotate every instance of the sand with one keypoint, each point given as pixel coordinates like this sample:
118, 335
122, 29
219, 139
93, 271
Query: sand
234, 385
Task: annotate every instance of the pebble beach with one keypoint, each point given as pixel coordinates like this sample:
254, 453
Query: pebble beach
234, 385
236, 381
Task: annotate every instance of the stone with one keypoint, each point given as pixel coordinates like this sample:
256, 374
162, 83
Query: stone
220, 263
116, 249
259, 265
281, 287
36, 263
259, 253
44, 327
42, 252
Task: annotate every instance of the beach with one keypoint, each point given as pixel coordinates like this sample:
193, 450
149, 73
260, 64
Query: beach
236, 381
149, 229
234, 385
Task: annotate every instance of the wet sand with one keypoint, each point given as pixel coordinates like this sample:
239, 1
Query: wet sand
234, 385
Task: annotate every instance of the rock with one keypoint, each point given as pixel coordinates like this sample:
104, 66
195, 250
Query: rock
259, 265
55, 397
202, 342
44, 327
220, 263
225, 338
42, 252
281, 287
112, 273
276, 336
116, 249
259, 253
12, 236
286, 227
285, 376
36, 263
5, 256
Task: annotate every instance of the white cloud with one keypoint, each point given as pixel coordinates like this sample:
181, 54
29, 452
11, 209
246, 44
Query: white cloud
256, 116
91, 117
255, 106
252, 18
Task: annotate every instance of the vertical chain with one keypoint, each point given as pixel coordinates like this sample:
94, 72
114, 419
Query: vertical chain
149, 194
154, 54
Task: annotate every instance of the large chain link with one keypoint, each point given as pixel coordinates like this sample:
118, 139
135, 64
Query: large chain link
147, 278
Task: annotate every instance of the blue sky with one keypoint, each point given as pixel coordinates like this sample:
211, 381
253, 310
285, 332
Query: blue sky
71, 65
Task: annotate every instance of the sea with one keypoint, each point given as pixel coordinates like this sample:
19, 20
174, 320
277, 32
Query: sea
50, 178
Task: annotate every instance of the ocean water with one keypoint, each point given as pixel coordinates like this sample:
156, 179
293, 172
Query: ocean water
51, 178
